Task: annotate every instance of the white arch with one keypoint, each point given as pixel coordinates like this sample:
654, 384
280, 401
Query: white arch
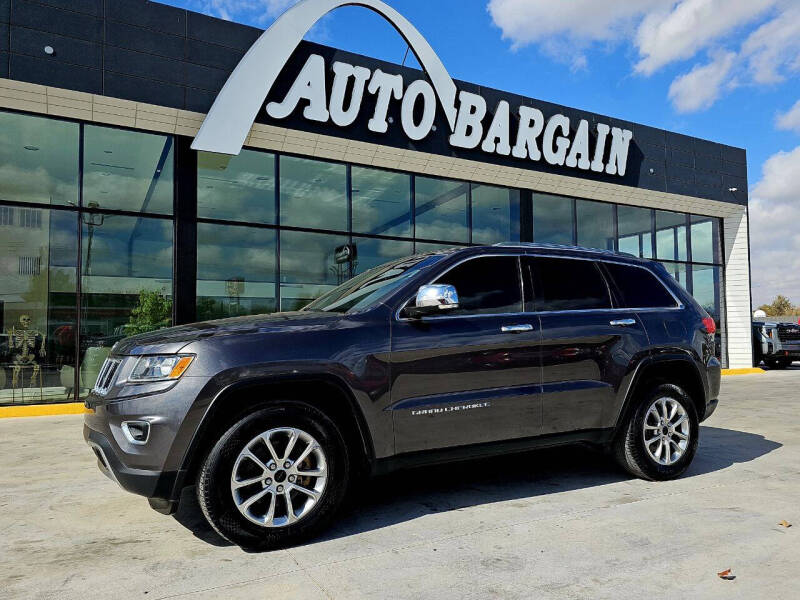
234, 110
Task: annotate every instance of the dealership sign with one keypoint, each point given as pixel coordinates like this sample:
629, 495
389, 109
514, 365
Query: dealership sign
523, 132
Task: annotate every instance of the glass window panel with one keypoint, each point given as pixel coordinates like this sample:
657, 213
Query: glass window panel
705, 239
678, 272
487, 285
639, 288
595, 224
565, 284
552, 219
126, 283
441, 209
495, 214
373, 252
671, 235
235, 271
38, 260
706, 289
634, 227
38, 159
309, 267
313, 193
381, 202
423, 247
127, 170
236, 188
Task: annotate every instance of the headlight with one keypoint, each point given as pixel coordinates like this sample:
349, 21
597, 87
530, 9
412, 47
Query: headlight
160, 368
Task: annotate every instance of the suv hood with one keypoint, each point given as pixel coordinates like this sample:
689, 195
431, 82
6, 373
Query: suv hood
172, 339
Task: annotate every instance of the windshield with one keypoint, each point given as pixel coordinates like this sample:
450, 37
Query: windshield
371, 286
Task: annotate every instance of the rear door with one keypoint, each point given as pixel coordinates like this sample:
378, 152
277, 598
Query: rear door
588, 343
473, 375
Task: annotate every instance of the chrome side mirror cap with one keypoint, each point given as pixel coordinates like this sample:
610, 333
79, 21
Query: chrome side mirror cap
431, 300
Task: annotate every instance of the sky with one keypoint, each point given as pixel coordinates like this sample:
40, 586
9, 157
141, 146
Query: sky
723, 70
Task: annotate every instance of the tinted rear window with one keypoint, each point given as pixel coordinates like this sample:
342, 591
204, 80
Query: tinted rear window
567, 284
639, 288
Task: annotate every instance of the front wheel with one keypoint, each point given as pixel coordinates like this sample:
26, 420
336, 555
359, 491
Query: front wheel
276, 477
658, 440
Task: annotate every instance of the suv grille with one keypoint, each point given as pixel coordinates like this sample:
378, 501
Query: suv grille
789, 334
106, 376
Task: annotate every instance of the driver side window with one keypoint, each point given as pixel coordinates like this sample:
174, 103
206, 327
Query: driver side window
486, 285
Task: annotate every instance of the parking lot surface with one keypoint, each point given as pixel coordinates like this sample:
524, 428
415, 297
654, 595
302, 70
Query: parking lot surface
550, 524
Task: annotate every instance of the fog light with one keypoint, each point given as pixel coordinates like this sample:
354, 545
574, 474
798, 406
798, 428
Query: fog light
137, 432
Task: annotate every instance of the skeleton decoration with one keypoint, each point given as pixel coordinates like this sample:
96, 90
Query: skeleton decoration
23, 347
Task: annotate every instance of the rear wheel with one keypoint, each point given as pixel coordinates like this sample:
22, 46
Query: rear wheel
659, 438
276, 477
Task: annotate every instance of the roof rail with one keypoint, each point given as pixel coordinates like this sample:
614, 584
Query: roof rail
545, 246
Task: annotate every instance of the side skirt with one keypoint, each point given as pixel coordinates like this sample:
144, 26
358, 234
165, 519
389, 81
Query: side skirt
411, 460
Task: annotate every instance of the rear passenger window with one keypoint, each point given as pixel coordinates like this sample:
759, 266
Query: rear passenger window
488, 285
566, 284
639, 288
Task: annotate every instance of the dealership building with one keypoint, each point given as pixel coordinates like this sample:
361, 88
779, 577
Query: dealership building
119, 215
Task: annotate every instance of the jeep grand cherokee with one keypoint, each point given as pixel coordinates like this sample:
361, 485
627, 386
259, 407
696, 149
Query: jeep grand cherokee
442, 356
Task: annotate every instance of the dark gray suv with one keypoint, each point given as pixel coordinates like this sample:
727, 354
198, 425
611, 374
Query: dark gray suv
443, 356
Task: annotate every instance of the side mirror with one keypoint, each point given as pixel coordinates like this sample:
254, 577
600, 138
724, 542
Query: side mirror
432, 300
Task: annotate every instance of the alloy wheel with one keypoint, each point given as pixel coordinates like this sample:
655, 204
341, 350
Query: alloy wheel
666, 431
278, 477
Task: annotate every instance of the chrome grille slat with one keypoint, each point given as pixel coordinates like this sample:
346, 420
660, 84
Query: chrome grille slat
106, 376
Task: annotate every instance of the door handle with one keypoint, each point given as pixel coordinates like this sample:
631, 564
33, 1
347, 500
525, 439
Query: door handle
516, 328
623, 322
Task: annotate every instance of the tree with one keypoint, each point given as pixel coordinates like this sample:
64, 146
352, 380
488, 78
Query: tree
780, 306
153, 311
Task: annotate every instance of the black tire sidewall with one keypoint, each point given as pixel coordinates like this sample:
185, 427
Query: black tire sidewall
647, 465
214, 492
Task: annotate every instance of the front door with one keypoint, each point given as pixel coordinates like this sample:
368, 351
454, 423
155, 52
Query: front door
473, 375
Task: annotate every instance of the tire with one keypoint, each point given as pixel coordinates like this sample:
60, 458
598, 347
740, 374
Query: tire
216, 495
630, 449
777, 363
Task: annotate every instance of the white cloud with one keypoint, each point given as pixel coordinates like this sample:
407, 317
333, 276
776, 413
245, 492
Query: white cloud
774, 48
699, 88
666, 32
790, 120
664, 37
774, 232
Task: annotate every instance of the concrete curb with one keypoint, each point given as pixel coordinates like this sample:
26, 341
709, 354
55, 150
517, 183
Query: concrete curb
753, 371
43, 410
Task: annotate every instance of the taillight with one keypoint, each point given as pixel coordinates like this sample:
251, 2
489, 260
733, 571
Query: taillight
709, 326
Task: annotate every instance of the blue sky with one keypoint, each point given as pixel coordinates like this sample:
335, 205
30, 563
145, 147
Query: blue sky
725, 70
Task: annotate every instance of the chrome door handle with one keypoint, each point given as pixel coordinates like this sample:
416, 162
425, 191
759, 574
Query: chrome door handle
516, 328
623, 322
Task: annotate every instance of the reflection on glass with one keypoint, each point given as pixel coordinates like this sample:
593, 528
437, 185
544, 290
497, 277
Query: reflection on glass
670, 235
235, 271
706, 289
127, 170
634, 227
38, 159
236, 188
595, 224
309, 267
423, 247
381, 202
441, 209
705, 239
126, 283
678, 271
552, 219
37, 305
313, 193
495, 214
372, 253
